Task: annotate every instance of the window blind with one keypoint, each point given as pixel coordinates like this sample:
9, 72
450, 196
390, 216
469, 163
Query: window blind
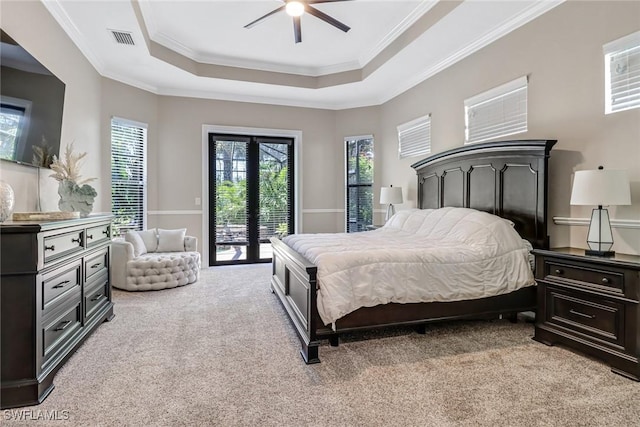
414, 137
128, 175
622, 73
498, 112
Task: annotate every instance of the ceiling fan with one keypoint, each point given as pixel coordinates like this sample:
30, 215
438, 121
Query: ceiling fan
296, 8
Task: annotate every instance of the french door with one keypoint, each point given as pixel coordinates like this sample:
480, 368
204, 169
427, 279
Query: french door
250, 198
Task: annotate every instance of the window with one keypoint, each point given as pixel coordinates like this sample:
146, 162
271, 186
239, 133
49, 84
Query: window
622, 73
414, 137
359, 190
128, 175
498, 112
14, 123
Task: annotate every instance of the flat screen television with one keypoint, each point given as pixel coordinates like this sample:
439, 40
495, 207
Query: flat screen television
32, 101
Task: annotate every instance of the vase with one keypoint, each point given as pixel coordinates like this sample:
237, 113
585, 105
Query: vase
74, 198
7, 200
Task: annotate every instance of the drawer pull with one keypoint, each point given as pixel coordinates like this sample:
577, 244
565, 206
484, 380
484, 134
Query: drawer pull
63, 325
97, 297
96, 265
60, 285
558, 271
577, 313
50, 248
105, 232
605, 280
78, 240
90, 237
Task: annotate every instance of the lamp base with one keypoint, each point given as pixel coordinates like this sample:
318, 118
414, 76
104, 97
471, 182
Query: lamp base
599, 253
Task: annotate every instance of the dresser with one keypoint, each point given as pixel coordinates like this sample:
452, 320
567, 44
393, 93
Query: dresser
590, 304
55, 292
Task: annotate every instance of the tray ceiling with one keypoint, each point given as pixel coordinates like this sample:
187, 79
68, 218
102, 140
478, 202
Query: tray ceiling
201, 48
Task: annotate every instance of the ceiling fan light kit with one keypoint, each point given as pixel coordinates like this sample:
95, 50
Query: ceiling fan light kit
296, 8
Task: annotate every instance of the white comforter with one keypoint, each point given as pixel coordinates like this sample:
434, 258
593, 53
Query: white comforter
447, 254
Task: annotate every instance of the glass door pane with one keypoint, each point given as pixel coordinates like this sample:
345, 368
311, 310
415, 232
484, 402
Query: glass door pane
231, 219
275, 192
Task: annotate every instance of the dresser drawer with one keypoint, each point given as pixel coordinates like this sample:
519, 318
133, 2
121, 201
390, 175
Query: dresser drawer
95, 298
96, 264
57, 246
97, 235
596, 318
56, 332
60, 281
601, 278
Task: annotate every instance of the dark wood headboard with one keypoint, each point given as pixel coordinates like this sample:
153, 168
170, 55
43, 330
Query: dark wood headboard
505, 178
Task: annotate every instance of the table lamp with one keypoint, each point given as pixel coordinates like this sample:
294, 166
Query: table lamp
390, 196
601, 187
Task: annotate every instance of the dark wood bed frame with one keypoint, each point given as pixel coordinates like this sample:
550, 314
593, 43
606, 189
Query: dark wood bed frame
506, 178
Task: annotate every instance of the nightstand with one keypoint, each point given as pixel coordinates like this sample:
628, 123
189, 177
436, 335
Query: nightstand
590, 304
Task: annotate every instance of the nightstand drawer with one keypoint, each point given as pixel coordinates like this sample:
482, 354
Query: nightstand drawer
602, 279
598, 318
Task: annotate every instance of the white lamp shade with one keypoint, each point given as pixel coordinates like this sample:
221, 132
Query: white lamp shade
602, 187
390, 195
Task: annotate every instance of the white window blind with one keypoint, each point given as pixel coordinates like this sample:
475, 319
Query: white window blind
498, 112
128, 175
414, 137
622, 73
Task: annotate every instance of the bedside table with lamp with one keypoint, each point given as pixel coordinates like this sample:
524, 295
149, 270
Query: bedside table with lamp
589, 300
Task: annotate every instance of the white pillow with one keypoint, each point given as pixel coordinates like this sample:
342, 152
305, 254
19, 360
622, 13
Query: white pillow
150, 239
134, 238
171, 240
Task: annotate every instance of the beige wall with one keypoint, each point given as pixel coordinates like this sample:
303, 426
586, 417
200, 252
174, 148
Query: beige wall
561, 52
31, 25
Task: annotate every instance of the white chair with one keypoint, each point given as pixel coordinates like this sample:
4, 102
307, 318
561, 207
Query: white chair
154, 259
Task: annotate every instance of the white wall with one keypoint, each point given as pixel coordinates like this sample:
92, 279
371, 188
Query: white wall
561, 52
31, 25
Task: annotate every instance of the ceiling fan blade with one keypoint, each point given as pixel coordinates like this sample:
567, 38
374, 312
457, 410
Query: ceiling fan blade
297, 29
326, 18
257, 21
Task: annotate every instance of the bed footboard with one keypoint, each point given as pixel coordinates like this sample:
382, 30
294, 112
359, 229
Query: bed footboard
294, 281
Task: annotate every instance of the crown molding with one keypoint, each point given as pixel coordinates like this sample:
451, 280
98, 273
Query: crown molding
505, 28
397, 31
170, 43
62, 18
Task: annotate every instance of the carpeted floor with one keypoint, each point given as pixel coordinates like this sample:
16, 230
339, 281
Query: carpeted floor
222, 352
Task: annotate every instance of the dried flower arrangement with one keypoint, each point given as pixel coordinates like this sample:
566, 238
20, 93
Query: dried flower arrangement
68, 167
75, 194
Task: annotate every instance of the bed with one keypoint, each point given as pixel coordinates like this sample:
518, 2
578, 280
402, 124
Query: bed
507, 179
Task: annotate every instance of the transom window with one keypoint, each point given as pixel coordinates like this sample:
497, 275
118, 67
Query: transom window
498, 112
622, 73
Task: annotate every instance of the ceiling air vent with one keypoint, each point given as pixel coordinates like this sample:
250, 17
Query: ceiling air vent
122, 37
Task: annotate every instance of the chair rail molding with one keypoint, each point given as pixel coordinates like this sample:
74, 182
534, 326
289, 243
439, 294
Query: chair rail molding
178, 212
615, 223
